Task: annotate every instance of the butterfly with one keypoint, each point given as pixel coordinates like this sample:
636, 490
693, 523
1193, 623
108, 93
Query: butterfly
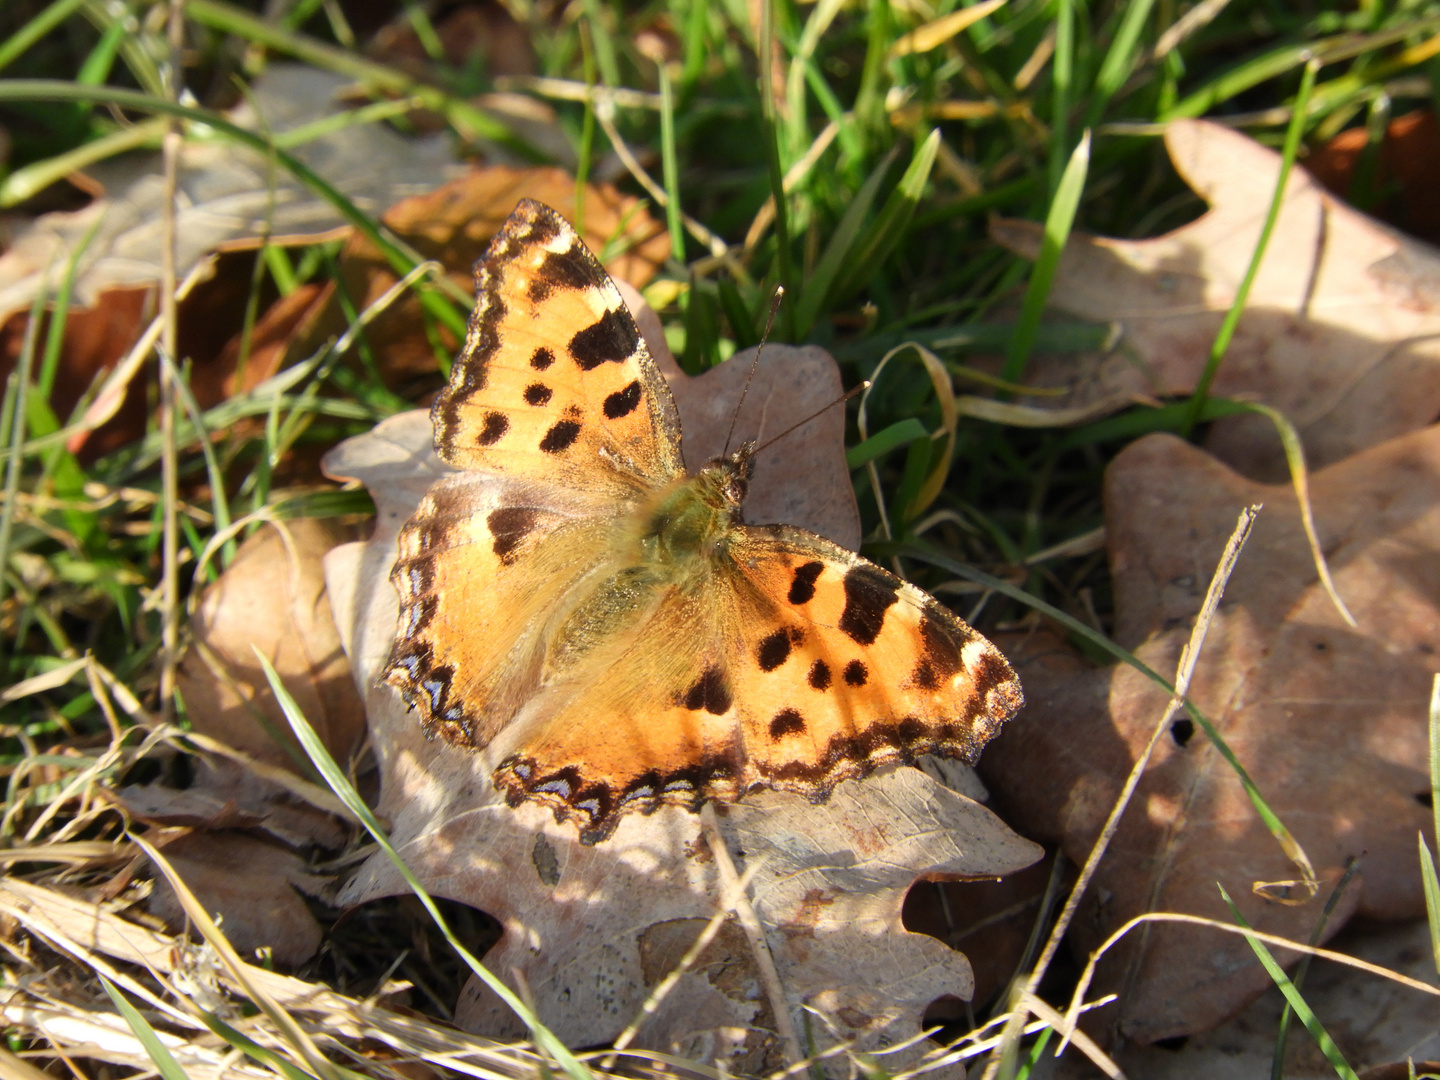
607, 625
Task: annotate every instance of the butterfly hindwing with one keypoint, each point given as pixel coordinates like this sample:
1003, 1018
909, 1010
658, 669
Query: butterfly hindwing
555, 381
481, 566
777, 671
854, 667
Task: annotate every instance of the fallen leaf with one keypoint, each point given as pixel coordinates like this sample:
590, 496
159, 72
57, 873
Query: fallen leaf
229, 195
1372, 1020
591, 930
272, 598
1341, 332
95, 338
1406, 171
1331, 721
222, 795
251, 885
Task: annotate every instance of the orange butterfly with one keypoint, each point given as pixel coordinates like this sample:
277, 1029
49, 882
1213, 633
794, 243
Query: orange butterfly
609, 622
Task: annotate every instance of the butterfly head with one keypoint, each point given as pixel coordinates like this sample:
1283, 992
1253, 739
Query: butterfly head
731, 474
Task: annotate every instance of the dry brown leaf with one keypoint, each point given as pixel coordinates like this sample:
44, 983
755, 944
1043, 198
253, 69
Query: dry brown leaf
1373, 1021
592, 929
225, 795
1341, 332
1406, 171
251, 885
229, 195
272, 598
1330, 721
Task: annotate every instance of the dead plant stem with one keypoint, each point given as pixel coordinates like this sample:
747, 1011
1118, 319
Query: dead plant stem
169, 337
755, 932
1185, 670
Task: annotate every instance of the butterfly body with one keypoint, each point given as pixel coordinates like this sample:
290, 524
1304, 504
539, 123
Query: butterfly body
608, 626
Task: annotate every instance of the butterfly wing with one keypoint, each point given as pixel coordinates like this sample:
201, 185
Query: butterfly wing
858, 668
795, 665
555, 381
483, 567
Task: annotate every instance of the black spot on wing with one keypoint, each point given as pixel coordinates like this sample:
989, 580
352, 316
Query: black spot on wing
496, 424
710, 693
542, 359
510, 525
856, 674
786, 722
802, 585
623, 402
538, 394
775, 649
560, 437
924, 676
869, 592
942, 646
542, 224
819, 675
572, 268
611, 339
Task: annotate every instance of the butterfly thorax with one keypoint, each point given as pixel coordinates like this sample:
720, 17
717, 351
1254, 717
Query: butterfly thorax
690, 521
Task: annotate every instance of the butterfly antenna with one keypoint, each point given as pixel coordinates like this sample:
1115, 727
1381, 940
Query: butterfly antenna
754, 365
838, 401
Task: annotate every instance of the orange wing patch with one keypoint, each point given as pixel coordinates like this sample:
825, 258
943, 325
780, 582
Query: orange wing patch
555, 379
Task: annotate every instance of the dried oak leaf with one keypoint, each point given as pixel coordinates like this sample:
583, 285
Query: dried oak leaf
229, 197
272, 598
251, 884
1406, 170
592, 929
1330, 721
1341, 332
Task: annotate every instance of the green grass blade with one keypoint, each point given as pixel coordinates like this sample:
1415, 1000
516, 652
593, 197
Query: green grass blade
1282, 1036
1292, 996
1242, 294
1432, 897
888, 229
1427, 863
1119, 59
1435, 756
901, 433
165, 1063
15, 421
1057, 230
469, 120
342, 787
820, 284
19, 42
253, 1050
1062, 68
670, 167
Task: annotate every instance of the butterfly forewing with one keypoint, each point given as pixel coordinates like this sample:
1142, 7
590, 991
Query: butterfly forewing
555, 381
